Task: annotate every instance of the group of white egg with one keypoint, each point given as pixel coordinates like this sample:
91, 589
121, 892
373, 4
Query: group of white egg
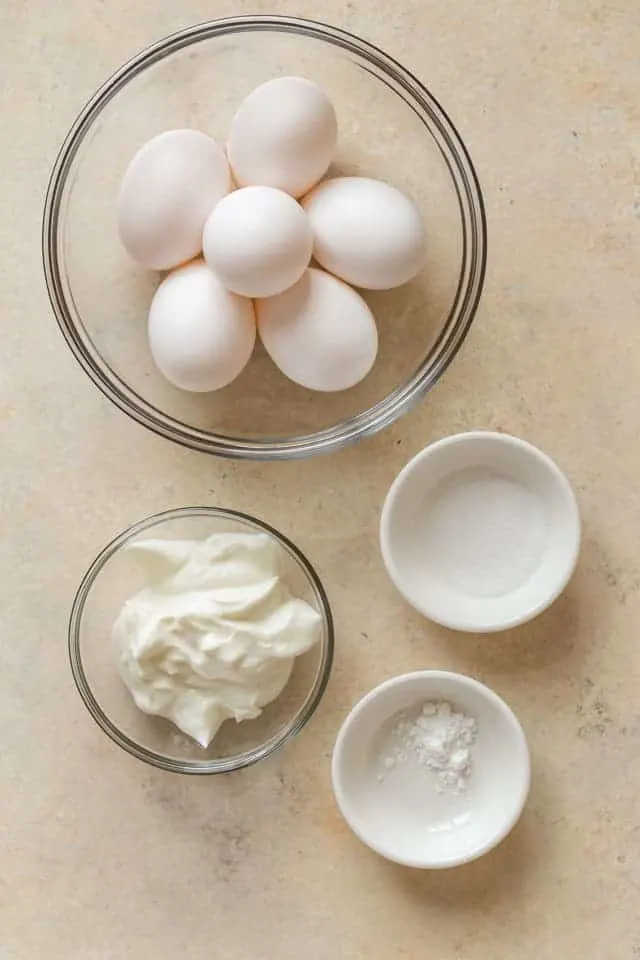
237, 230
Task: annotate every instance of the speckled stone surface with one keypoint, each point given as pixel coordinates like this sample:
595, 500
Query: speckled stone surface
105, 859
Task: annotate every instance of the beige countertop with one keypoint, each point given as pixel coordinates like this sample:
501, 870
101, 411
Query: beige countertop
102, 857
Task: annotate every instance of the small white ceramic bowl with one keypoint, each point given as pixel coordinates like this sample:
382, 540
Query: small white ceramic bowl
400, 813
480, 532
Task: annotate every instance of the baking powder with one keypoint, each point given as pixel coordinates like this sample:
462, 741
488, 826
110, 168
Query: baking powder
441, 740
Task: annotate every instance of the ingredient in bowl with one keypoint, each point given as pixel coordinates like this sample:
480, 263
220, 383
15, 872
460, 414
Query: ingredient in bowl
283, 135
366, 232
166, 195
258, 241
320, 332
178, 199
215, 633
201, 336
487, 532
440, 739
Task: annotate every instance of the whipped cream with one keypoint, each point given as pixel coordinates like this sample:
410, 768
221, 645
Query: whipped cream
214, 634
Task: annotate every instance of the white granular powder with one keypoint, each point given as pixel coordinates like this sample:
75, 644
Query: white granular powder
440, 739
483, 534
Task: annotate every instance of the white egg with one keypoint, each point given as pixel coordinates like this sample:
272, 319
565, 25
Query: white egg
320, 332
283, 135
167, 192
201, 336
366, 232
258, 240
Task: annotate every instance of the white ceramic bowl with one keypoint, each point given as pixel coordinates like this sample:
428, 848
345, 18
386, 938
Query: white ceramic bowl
400, 813
480, 532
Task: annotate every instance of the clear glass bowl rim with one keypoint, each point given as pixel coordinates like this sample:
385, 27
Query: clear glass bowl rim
225, 764
450, 338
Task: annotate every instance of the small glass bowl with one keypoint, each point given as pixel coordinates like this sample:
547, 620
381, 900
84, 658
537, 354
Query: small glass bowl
391, 128
114, 577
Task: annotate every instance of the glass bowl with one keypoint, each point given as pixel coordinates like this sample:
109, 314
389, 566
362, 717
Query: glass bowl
114, 577
391, 128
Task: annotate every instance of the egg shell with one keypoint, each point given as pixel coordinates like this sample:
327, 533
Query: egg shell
201, 336
320, 332
258, 241
283, 135
167, 192
366, 232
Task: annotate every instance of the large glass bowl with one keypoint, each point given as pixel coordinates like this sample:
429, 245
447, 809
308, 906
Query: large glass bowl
391, 128
114, 577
